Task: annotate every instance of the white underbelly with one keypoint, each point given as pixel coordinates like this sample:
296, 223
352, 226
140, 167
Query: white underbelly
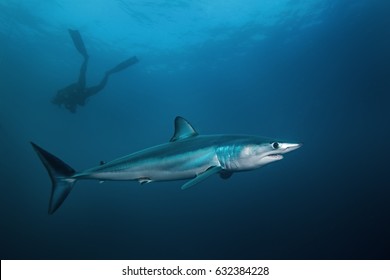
167, 170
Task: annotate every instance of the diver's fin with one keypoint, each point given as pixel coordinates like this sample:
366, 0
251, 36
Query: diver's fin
123, 65
61, 177
183, 130
201, 177
78, 42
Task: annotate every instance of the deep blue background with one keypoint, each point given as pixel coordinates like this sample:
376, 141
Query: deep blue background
321, 77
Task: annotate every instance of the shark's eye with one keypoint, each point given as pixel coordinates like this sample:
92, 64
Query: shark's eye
275, 145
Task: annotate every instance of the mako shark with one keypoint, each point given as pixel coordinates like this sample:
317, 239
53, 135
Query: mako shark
188, 155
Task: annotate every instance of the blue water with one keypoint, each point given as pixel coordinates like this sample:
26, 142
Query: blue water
315, 72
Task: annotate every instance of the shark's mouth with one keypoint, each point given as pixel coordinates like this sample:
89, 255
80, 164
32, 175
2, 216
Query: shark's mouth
275, 156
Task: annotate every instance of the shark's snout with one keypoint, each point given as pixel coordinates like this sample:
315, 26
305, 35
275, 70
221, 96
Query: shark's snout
295, 146
288, 147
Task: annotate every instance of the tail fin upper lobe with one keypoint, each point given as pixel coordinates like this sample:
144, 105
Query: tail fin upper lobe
61, 177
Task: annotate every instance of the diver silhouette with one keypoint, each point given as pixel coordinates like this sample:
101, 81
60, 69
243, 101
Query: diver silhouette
77, 93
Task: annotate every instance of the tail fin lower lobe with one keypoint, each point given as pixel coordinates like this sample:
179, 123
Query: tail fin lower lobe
61, 177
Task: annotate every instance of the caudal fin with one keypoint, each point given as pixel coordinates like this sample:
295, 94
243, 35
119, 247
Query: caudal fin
61, 177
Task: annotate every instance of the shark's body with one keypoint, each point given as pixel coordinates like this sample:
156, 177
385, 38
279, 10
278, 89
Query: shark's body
187, 156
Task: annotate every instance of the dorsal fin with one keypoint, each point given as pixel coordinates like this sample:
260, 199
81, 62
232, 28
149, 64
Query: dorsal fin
183, 130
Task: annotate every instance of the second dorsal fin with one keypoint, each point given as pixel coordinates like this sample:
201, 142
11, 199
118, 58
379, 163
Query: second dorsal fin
183, 130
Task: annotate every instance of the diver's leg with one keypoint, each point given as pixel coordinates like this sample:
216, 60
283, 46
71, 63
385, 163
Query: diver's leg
95, 89
78, 42
82, 76
123, 65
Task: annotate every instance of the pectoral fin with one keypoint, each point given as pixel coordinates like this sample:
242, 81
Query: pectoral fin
201, 177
